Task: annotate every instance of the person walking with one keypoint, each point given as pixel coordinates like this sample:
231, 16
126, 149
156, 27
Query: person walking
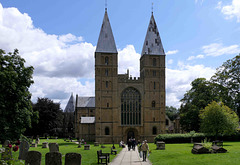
145, 149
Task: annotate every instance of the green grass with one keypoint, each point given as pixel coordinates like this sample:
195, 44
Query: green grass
180, 154
89, 157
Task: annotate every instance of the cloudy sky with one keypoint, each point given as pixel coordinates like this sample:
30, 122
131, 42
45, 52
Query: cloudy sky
58, 38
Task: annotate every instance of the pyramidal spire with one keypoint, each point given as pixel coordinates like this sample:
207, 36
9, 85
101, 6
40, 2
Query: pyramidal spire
70, 105
106, 42
152, 44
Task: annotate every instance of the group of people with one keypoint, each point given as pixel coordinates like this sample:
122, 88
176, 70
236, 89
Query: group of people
131, 144
142, 147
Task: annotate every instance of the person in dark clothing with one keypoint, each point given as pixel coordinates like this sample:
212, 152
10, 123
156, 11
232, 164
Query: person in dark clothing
129, 143
133, 144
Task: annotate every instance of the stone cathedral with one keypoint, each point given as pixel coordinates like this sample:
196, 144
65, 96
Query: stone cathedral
124, 107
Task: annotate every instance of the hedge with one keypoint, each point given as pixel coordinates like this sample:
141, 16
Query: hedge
197, 137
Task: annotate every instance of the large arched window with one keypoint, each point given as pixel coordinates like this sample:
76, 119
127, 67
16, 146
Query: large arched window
107, 132
130, 107
153, 104
154, 62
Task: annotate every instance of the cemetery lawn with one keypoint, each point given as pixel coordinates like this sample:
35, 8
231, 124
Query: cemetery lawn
89, 157
180, 154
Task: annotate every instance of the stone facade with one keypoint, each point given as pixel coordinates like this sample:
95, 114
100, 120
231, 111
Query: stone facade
125, 107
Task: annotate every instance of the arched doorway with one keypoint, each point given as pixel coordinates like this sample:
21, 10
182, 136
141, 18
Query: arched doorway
131, 133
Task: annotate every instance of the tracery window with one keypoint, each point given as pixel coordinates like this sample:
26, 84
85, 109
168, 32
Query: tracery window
154, 62
130, 107
106, 60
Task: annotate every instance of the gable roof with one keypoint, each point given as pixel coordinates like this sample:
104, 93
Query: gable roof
86, 102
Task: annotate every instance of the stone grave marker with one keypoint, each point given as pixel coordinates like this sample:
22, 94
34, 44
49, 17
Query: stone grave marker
33, 158
23, 150
45, 145
73, 159
53, 158
53, 147
96, 144
34, 145
87, 147
7, 155
160, 145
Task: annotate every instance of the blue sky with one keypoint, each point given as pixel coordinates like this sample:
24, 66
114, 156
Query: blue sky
58, 38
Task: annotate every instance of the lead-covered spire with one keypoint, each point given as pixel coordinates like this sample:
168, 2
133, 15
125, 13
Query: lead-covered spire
152, 44
106, 42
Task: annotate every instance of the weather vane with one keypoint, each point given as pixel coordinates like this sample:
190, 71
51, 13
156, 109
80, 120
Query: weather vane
106, 5
152, 7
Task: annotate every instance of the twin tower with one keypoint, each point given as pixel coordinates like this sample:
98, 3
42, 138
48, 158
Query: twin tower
126, 107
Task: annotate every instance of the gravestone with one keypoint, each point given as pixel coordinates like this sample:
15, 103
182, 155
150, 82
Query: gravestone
200, 150
7, 155
45, 145
34, 145
217, 149
53, 147
73, 159
33, 158
53, 158
160, 145
96, 144
23, 150
87, 147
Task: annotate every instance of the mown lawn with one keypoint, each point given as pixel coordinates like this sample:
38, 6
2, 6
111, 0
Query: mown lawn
180, 154
89, 157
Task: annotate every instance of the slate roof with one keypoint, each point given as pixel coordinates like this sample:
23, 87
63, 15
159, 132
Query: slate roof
106, 42
86, 102
152, 44
70, 107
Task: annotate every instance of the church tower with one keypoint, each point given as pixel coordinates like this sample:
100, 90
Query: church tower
106, 70
152, 71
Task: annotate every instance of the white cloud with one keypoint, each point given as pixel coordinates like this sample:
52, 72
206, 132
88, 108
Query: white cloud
178, 80
172, 52
170, 61
230, 11
217, 49
200, 56
129, 59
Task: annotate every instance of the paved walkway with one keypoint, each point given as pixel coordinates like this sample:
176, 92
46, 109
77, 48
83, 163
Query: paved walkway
126, 157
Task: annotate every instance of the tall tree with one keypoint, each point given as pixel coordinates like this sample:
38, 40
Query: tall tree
172, 112
15, 98
197, 98
50, 117
227, 76
218, 119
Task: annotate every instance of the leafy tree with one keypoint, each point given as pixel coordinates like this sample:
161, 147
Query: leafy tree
218, 119
197, 98
15, 98
172, 112
227, 76
50, 117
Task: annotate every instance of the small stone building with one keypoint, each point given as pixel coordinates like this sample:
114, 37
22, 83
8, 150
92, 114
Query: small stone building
124, 107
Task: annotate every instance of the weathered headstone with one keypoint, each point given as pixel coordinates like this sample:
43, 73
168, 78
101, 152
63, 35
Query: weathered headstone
45, 145
217, 149
160, 145
53, 158
73, 159
103, 146
7, 155
23, 150
200, 150
87, 147
34, 145
33, 158
96, 144
53, 147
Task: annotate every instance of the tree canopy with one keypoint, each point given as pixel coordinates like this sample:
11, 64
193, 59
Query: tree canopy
15, 99
172, 112
218, 119
227, 76
50, 117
